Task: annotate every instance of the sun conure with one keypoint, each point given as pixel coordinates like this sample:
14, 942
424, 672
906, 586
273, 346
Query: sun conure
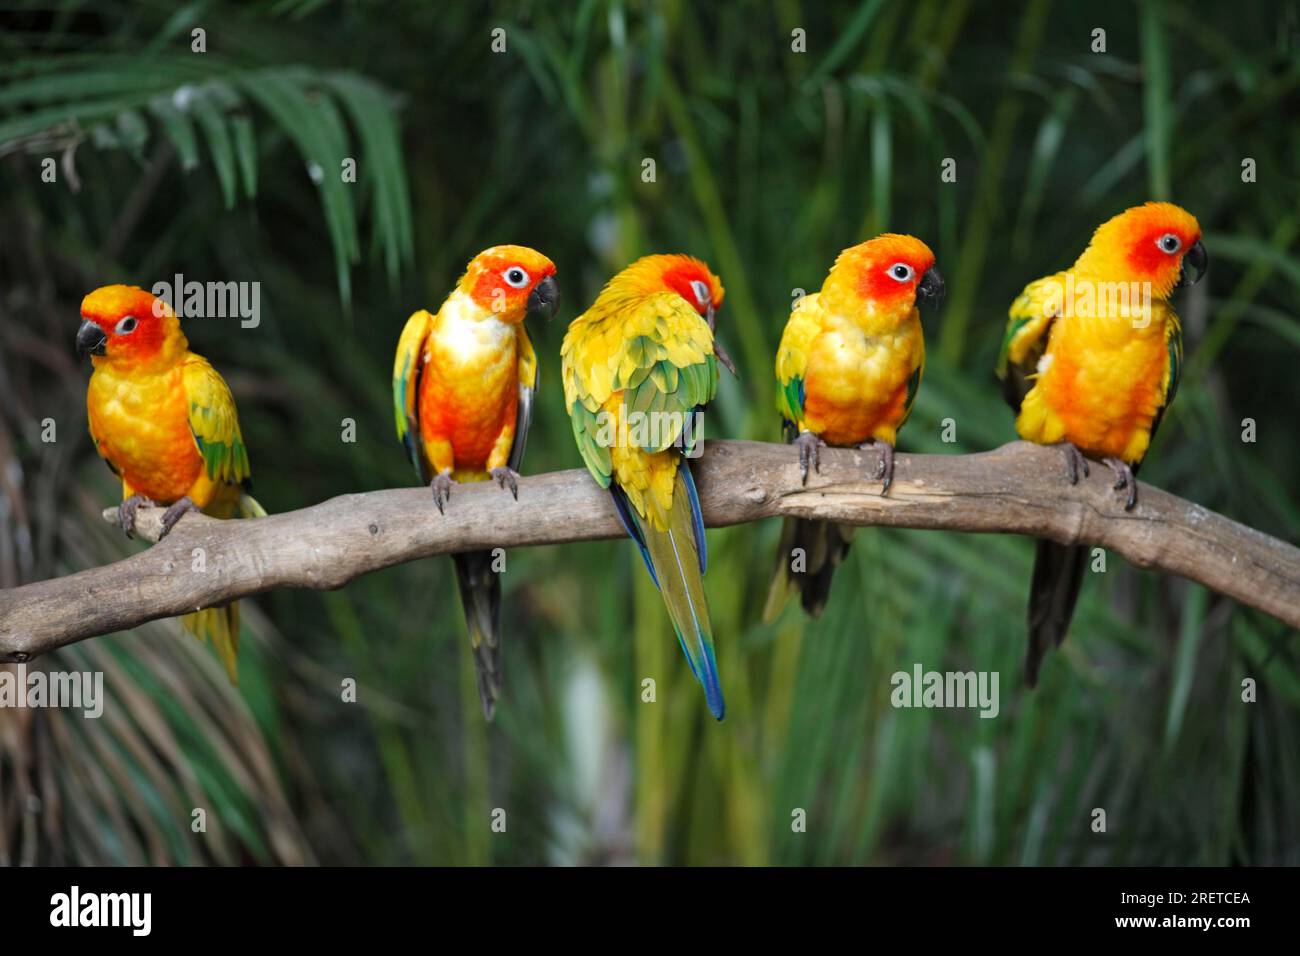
463, 386
165, 422
848, 368
1090, 362
637, 367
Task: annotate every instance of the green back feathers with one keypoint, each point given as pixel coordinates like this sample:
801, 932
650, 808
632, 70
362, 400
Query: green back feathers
665, 369
215, 423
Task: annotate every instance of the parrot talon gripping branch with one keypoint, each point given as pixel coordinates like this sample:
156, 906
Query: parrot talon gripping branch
1075, 463
810, 452
1015, 489
1123, 479
127, 510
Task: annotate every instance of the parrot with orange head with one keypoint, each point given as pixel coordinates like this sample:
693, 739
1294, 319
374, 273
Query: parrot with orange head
165, 421
848, 369
637, 367
1090, 362
464, 380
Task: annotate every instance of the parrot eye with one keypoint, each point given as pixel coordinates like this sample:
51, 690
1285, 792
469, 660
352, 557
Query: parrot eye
901, 272
1169, 243
516, 277
701, 290
126, 326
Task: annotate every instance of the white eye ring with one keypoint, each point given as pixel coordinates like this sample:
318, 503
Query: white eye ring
901, 272
1169, 243
701, 290
515, 277
125, 325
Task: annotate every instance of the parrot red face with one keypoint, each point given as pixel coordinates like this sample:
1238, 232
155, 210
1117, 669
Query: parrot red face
513, 282
1158, 239
894, 271
122, 323
693, 281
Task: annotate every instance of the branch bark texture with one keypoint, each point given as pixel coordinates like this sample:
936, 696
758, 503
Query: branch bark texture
1017, 489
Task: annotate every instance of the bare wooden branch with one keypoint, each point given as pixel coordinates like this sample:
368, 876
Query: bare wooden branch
1018, 489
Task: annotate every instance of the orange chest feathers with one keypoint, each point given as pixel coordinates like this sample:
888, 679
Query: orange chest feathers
141, 425
1106, 389
469, 388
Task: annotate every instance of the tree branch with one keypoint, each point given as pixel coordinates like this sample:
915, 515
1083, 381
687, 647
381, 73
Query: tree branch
1019, 489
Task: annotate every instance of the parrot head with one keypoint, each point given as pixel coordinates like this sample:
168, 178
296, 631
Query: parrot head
689, 277
124, 324
890, 273
1158, 242
512, 282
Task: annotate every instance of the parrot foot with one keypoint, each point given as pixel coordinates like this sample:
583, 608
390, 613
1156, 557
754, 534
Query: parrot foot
174, 513
885, 470
810, 447
1124, 478
1074, 462
126, 513
724, 358
507, 478
441, 488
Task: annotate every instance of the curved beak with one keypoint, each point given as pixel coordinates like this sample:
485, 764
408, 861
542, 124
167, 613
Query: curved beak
930, 289
711, 316
544, 300
1198, 260
90, 339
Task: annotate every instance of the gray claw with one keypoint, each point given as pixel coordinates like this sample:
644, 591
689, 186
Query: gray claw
810, 447
1124, 478
507, 478
126, 513
1074, 462
441, 488
174, 513
885, 470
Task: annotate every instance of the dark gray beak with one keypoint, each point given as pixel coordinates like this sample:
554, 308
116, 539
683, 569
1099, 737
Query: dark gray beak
1195, 263
544, 300
930, 290
90, 339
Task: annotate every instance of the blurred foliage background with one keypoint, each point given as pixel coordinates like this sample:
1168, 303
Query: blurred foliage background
224, 165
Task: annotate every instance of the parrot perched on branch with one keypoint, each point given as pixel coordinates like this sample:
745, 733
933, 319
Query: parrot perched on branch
638, 366
463, 387
1090, 362
165, 422
848, 368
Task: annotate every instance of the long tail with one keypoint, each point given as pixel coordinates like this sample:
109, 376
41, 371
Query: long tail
480, 597
1058, 575
220, 625
677, 558
806, 560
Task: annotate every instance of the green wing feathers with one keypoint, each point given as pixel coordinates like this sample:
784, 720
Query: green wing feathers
407, 365
1174, 369
659, 355
215, 423
1025, 339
